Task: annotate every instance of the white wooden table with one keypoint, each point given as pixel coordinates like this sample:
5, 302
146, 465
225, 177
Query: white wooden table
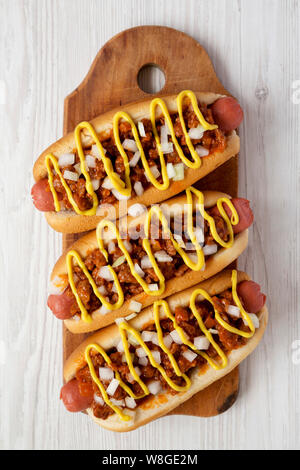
46, 48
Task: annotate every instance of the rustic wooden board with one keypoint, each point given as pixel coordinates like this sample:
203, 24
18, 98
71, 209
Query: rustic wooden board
111, 82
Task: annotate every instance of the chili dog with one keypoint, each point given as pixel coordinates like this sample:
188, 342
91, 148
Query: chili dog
131, 373
102, 276
144, 152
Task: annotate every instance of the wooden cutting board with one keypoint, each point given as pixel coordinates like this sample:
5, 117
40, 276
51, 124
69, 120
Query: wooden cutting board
111, 82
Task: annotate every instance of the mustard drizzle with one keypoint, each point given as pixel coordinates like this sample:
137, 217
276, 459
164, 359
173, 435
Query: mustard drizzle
195, 266
122, 187
125, 328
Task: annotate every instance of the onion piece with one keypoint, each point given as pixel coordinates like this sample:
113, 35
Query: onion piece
189, 355
170, 170
179, 240
179, 170
111, 247
210, 249
128, 246
153, 287
106, 374
120, 403
138, 188
196, 132
119, 261
143, 361
199, 235
156, 356
138, 371
201, 151
145, 262
103, 310
113, 385
163, 257
90, 161
136, 209
234, 311
132, 340
136, 157
141, 129
130, 402
168, 147
66, 159
155, 172
120, 347
102, 290
255, 320
213, 331
163, 135
140, 352
107, 184
96, 152
147, 336
119, 196
138, 270
135, 306
96, 184
70, 175
131, 316
120, 320
77, 167
105, 273
168, 340
154, 387
98, 400
129, 144
175, 337
201, 342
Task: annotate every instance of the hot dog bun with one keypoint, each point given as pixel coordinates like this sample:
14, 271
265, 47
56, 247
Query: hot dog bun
70, 222
213, 265
165, 402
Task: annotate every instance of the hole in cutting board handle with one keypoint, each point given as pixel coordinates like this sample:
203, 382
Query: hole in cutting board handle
151, 79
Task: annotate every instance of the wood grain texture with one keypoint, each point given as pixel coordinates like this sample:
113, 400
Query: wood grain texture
46, 47
112, 81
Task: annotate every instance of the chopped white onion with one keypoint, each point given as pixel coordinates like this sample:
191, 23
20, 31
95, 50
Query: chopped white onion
120, 347
130, 402
199, 235
102, 290
145, 262
254, 318
132, 340
135, 159
147, 336
196, 132
210, 249
77, 167
119, 196
90, 161
120, 403
119, 261
156, 356
154, 387
189, 355
111, 247
112, 387
234, 311
98, 399
213, 331
135, 306
139, 271
96, 152
103, 310
170, 170
167, 147
155, 172
153, 287
96, 184
66, 159
168, 340
118, 321
201, 342
114, 288
141, 129
138, 187
163, 135
179, 240
128, 246
140, 352
136, 209
143, 361
179, 170
202, 151
129, 144
70, 175
106, 374
163, 257
107, 184
138, 371
105, 273
175, 337
76, 317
